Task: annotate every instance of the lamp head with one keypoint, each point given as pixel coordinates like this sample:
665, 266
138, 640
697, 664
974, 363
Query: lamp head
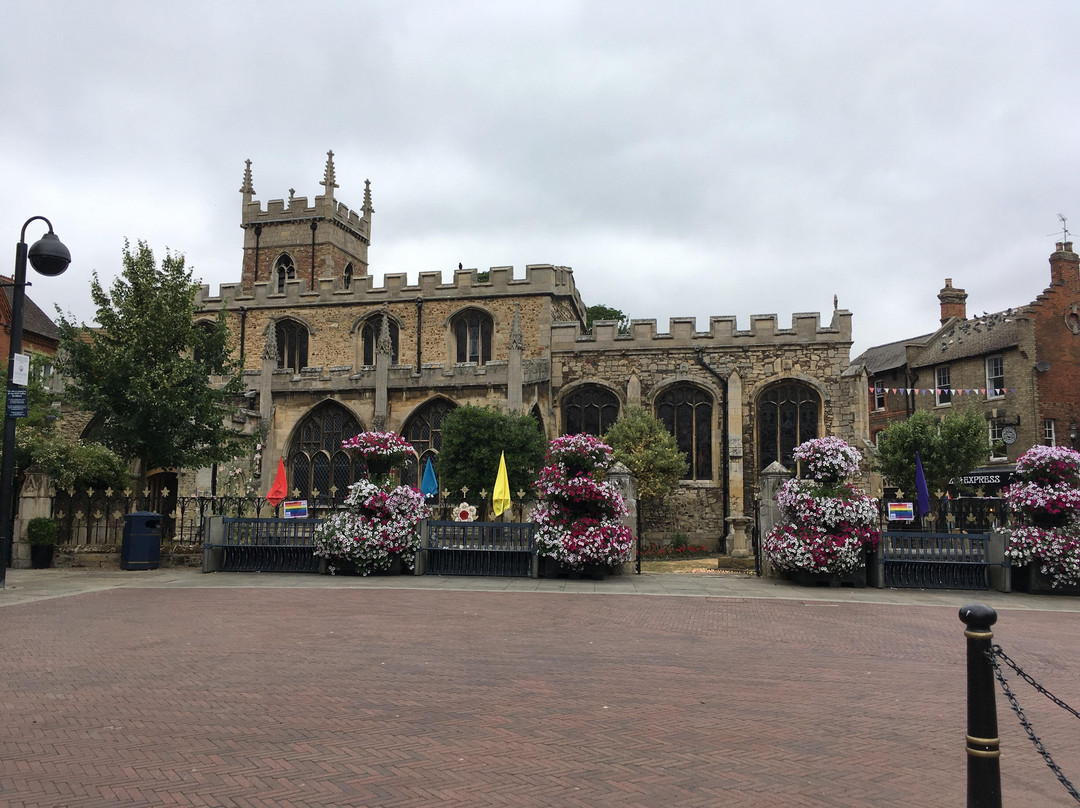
48, 255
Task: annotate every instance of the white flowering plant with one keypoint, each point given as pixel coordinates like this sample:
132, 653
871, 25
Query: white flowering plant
386, 446
827, 459
827, 524
1046, 503
380, 525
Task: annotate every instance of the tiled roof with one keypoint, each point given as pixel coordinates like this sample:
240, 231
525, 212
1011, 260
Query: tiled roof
886, 357
34, 319
974, 337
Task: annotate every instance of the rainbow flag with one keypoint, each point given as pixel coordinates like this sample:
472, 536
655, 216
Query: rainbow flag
898, 512
296, 509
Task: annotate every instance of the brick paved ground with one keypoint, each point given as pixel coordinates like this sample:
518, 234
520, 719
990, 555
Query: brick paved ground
304, 697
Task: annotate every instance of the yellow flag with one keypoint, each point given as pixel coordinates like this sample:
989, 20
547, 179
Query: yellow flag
500, 499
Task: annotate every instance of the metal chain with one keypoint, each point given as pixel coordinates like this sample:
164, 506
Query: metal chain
996, 650
992, 653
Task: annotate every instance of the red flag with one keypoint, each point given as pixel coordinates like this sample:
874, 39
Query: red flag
280, 489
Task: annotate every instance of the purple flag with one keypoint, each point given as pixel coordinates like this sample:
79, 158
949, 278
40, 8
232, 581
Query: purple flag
920, 484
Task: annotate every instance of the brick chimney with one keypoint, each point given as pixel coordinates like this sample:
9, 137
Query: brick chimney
1065, 266
953, 302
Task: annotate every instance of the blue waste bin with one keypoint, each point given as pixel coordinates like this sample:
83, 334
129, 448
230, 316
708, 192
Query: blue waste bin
141, 545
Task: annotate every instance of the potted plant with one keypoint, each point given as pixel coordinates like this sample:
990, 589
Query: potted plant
383, 452
1045, 501
41, 532
828, 523
578, 527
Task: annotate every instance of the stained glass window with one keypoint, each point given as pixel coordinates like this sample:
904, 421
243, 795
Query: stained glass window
686, 411
787, 416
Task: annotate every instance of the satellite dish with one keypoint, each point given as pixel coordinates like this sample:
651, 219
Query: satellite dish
1042, 366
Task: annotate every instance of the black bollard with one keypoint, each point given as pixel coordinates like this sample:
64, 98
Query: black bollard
983, 753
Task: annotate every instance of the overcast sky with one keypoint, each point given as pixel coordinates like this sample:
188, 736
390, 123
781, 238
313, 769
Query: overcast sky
685, 158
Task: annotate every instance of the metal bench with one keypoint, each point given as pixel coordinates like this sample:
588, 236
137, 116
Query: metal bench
936, 560
259, 545
478, 548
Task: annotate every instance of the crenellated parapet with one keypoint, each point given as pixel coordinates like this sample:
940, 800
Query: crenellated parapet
540, 279
723, 332
297, 209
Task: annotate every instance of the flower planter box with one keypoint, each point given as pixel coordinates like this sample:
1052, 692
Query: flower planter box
855, 578
41, 556
1029, 578
550, 568
343, 566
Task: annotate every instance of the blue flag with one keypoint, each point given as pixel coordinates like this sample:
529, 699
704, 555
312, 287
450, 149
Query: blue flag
920, 484
429, 486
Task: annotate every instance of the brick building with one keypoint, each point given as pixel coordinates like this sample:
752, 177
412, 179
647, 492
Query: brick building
327, 353
1018, 368
40, 334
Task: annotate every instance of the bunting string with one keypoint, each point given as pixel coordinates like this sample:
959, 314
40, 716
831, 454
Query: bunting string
956, 391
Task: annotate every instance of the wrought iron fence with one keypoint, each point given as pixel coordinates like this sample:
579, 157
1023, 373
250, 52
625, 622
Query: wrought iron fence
98, 517
952, 515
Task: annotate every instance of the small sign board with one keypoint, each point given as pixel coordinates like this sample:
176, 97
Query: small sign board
901, 512
296, 509
21, 373
16, 403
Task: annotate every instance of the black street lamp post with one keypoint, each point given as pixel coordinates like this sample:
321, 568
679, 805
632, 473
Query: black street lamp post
48, 256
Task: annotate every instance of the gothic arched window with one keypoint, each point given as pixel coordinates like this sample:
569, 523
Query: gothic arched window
424, 431
319, 470
591, 409
787, 416
346, 276
292, 344
686, 411
472, 336
369, 338
284, 269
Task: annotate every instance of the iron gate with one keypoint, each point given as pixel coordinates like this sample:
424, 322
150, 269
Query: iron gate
504, 549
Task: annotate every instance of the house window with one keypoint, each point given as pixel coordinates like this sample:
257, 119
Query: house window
787, 416
879, 398
1049, 434
686, 411
369, 337
997, 445
292, 345
284, 269
472, 336
995, 377
943, 385
589, 409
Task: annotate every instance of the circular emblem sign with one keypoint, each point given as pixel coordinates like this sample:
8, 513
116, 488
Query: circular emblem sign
1008, 435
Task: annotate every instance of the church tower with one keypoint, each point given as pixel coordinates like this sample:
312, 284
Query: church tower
294, 241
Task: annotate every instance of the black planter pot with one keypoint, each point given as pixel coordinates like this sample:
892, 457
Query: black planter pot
1029, 578
855, 578
41, 556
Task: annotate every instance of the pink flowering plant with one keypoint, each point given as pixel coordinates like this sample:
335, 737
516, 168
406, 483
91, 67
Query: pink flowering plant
579, 455
1046, 502
387, 446
380, 525
578, 516
827, 524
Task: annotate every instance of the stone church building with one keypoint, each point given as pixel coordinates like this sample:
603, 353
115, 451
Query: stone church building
327, 352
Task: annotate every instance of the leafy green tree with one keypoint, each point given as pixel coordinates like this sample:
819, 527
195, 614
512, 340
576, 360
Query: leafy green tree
146, 371
948, 448
40, 444
641, 442
601, 312
472, 440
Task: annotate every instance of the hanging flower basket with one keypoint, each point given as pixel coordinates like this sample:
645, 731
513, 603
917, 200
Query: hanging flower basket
827, 524
1046, 502
380, 529
382, 452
